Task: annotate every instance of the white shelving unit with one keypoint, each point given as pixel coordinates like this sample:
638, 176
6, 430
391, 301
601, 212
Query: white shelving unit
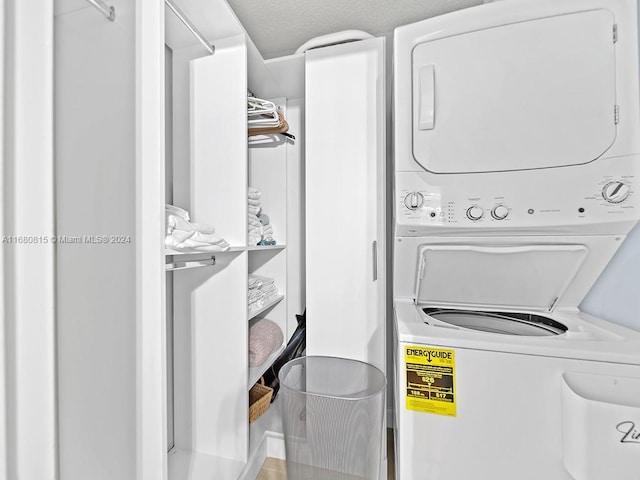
200, 373
270, 303
256, 372
214, 163
266, 247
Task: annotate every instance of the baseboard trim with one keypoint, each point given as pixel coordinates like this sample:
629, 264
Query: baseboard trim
271, 445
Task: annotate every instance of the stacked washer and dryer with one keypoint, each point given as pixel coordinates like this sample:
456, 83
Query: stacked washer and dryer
517, 163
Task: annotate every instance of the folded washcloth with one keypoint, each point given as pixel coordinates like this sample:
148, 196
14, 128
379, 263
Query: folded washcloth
266, 242
255, 203
265, 337
267, 229
264, 219
253, 193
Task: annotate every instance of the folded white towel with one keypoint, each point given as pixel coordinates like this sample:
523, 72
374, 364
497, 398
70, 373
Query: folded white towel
257, 281
254, 295
270, 291
252, 209
253, 221
203, 228
253, 239
182, 235
265, 337
189, 245
255, 203
182, 230
261, 290
177, 211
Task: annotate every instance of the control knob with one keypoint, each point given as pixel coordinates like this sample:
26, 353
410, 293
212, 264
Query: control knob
414, 200
475, 213
499, 212
615, 192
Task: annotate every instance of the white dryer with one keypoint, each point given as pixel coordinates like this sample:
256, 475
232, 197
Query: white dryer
517, 153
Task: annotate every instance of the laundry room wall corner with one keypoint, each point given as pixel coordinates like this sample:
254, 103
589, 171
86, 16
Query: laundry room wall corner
614, 296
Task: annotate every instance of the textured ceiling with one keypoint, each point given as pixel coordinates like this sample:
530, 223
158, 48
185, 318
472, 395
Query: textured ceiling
279, 27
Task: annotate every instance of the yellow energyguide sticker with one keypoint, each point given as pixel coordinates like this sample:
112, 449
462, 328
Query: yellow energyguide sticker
431, 380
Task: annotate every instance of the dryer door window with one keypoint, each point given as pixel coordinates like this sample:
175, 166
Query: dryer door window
533, 94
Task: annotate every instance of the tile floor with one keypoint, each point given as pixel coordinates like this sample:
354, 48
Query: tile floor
276, 469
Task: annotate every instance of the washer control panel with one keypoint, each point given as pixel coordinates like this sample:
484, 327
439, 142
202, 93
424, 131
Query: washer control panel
475, 213
413, 200
500, 212
599, 197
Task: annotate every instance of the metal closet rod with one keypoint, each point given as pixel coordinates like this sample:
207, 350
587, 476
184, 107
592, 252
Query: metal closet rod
107, 10
192, 28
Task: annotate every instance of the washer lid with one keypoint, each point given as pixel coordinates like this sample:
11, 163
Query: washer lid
532, 277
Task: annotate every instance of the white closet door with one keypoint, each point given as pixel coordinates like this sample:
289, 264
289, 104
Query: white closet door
344, 182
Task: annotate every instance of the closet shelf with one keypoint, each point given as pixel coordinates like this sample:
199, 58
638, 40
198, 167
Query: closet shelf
254, 248
256, 372
175, 253
270, 303
187, 264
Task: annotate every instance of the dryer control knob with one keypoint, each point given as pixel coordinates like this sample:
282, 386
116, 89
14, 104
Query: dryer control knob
475, 213
499, 212
615, 192
414, 200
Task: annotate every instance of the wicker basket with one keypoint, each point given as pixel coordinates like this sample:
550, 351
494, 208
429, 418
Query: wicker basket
259, 400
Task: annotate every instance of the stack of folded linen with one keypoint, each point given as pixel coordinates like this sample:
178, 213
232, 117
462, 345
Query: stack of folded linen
182, 235
259, 228
266, 230
253, 209
265, 337
261, 290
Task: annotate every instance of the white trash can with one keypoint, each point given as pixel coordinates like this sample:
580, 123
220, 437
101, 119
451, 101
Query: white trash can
332, 410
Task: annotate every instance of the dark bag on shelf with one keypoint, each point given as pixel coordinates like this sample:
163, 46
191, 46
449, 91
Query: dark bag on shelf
295, 348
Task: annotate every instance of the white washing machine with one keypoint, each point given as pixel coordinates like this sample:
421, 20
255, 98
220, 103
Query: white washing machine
517, 155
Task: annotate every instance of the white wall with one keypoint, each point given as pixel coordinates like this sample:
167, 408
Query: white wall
27, 268
3, 320
96, 284
616, 294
